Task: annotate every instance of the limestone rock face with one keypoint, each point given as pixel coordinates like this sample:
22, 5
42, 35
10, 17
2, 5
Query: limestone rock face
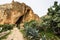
16, 12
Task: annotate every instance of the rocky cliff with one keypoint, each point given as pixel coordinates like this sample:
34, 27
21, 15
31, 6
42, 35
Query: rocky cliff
16, 12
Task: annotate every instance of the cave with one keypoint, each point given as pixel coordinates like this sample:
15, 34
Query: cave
19, 20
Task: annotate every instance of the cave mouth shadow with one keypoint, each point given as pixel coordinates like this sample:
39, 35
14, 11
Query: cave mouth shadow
21, 18
19, 21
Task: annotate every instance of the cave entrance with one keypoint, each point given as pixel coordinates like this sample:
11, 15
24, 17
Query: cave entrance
19, 21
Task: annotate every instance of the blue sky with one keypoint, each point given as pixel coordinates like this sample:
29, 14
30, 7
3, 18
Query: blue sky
38, 6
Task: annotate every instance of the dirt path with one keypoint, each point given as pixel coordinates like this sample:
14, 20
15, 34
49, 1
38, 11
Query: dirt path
15, 35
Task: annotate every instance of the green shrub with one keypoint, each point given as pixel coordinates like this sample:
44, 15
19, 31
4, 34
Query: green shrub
6, 27
31, 31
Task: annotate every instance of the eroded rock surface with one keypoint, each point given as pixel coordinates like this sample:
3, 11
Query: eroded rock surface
16, 12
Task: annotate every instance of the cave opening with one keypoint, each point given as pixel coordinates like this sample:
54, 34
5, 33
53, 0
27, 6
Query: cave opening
19, 21
21, 18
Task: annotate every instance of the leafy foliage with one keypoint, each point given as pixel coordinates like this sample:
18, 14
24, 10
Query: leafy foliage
52, 19
6, 27
31, 31
34, 31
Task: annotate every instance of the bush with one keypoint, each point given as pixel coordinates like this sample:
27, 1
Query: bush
6, 27
30, 30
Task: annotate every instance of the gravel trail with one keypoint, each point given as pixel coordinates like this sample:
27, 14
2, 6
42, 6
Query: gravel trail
15, 35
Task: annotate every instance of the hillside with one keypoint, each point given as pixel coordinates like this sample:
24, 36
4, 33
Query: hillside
16, 13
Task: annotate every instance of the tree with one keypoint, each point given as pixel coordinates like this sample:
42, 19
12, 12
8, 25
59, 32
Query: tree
52, 19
